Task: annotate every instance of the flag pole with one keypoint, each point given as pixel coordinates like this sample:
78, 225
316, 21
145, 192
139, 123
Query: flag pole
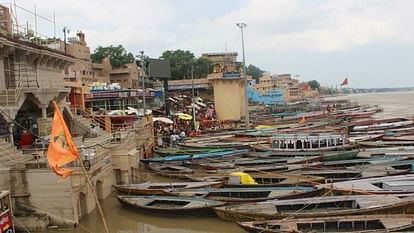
89, 181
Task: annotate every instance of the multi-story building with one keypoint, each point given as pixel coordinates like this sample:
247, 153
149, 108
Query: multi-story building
128, 76
31, 76
292, 88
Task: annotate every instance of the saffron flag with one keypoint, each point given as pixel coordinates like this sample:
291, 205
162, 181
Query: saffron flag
61, 150
345, 82
302, 120
306, 87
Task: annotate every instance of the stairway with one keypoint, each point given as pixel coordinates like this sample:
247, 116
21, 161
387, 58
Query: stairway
86, 125
10, 156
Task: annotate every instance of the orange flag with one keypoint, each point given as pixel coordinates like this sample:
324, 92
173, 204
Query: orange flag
61, 149
302, 120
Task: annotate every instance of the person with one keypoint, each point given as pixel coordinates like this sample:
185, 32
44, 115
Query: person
173, 139
159, 140
182, 136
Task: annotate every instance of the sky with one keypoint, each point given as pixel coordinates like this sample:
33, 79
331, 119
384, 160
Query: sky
371, 42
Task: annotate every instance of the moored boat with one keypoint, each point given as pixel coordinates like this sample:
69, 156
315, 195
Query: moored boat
151, 188
348, 224
169, 170
169, 204
238, 195
318, 207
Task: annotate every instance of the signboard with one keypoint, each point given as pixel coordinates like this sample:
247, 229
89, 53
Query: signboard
231, 75
45, 126
159, 68
6, 222
117, 94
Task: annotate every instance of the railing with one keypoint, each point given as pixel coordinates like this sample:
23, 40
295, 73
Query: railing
98, 120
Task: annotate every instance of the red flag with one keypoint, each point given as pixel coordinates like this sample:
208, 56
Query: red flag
61, 150
306, 87
345, 82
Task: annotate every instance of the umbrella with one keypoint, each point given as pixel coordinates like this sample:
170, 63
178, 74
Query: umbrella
162, 119
185, 117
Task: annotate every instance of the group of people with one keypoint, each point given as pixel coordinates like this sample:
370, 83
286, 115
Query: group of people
170, 134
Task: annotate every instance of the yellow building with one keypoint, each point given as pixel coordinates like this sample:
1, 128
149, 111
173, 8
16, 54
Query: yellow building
229, 95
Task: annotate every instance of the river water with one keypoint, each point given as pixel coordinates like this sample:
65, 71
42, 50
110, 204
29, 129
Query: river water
121, 220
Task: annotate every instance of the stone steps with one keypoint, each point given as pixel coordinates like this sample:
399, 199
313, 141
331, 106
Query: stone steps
10, 156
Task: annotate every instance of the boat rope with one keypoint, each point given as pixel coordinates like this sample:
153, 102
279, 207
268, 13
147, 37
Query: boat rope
20, 223
84, 228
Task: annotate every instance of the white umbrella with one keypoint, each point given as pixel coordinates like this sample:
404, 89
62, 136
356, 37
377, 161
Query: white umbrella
162, 119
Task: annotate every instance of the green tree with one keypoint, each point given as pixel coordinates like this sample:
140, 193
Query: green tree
254, 71
181, 62
314, 84
118, 56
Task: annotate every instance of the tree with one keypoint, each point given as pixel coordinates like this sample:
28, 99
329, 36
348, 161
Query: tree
118, 56
314, 84
181, 62
254, 71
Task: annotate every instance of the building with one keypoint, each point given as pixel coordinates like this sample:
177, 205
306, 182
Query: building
31, 76
293, 90
128, 76
223, 62
229, 95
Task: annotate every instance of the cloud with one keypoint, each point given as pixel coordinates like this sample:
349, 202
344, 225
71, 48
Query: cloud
275, 28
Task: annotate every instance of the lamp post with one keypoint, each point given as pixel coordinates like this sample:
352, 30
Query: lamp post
144, 67
192, 90
65, 30
246, 99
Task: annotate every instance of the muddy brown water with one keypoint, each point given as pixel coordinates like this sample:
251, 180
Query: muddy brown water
123, 220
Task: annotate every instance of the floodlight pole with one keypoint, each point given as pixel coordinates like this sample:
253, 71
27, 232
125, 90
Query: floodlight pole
192, 90
246, 98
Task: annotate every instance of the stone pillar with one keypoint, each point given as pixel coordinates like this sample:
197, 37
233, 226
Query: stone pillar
44, 111
2, 75
311, 146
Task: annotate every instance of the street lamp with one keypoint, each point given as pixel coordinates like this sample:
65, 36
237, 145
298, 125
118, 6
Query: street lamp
65, 30
246, 100
192, 91
144, 63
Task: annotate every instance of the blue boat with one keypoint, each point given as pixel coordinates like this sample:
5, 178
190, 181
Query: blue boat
198, 156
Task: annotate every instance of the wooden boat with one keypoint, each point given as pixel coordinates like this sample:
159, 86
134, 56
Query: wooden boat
238, 195
385, 143
339, 155
220, 145
347, 224
316, 207
277, 153
357, 162
368, 137
242, 162
255, 169
168, 170
169, 204
330, 174
308, 142
150, 188
382, 126
275, 180
194, 157
183, 151
399, 138
402, 184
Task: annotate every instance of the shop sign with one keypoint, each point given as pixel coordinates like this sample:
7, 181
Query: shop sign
6, 223
45, 126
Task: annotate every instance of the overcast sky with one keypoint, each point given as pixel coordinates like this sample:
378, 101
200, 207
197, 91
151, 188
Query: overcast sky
369, 41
